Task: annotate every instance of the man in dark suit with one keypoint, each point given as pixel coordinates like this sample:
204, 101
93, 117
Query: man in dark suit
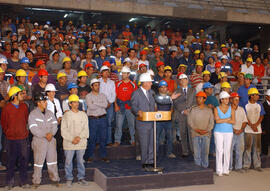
182, 105
142, 100
266, 124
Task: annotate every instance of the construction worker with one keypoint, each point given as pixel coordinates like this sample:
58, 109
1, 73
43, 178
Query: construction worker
14, 124
21, 82
71, 73
225, 86
43, 125
223, 77
206, 77
61, 86
75, 131
40, 86
171, 84
83, 87
196, 77
4, 85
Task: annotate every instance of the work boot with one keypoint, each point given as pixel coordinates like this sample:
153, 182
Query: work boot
116, 144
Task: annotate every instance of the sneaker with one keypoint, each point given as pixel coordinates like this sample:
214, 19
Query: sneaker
109, 144
89, 160
259, 169
3, 167
226, 174
69, 183
105, 160
219, 174
26, 186
83, 182
56, 184
35, 186
116, 144
172, 156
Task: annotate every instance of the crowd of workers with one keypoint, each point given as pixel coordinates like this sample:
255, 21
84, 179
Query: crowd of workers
64, 89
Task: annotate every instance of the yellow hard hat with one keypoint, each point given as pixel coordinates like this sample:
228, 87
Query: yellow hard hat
66, 59
249, 60
81, 73
73, 97
223, 45
21, 72
182, 65
199, 62
12, 91
253, 91
61, 74
1, 70
206, 72
167, 68
197, 52
225, 85
222, 74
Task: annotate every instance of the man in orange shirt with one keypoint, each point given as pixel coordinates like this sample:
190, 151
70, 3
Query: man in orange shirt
127, 33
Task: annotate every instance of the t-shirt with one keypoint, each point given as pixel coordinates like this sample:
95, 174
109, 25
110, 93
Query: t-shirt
84, 88
254, 111
124, 91
240, 118
211, 100
13, 65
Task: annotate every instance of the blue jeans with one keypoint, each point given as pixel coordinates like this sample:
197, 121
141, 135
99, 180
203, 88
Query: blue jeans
167, 127
97, 128
69, 164
238, 145
212, 143
110, 114
120, 117
201, 150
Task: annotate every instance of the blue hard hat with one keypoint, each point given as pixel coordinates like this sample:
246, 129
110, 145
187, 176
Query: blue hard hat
127, 26
25, 60
207, 85
72, 85
162, 83
37, 32
93, 33
48, 22
27, 18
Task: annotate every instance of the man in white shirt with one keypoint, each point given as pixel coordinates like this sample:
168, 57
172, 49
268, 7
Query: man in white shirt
248, 68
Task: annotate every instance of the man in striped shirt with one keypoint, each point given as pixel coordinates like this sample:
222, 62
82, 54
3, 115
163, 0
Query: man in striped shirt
196, 77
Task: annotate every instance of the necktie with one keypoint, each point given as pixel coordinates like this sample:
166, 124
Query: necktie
148, 95
185, 91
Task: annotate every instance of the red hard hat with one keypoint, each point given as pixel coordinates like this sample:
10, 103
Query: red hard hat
43, 72
118, 49
39, 62
159, 64
179, 74
143, 52
88, 65
234, 94
106, 63
218, 65
201, 94
157, 49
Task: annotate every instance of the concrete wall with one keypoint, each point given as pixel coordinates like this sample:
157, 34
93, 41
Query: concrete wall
156, 8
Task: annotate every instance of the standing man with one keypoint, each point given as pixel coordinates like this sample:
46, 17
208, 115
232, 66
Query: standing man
201, 121
266, 124
142, 100
14, 124
124, 89
43, 126
182, 105
243, 90
75, 132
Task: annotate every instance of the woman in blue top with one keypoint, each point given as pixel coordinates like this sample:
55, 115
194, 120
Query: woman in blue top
223, 133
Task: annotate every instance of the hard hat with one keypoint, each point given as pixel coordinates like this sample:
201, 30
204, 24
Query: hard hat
234, 94
217, 65
268, 92
143, 52
182, 65
167, 68
178, 75
73, 97
199, 62
94, 80
21, 72
104, 68
197, 52
157, 49
207, 85
106, 63
249, 60
50, 88
201, 94
162, 83
225, 85
89, 50
151, 72
1, 70
40, 97
125, 69
42, 72
223, 46
61, 74
186, 50
66, 59
253, 91
39, 62
12, 91
183, 76
238, 54
36, 24
221, 75
88, 65
224, 57
224, 94
145, 77
24, 60
101, 48
3, 61
33, 38
127, 59
159, 64
248, 76
72, 85
46, 26
206, 72
81, 73
142, 64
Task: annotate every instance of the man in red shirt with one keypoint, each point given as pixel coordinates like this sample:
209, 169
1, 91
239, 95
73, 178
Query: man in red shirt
124, 90
258, 69
236, 65
14, 124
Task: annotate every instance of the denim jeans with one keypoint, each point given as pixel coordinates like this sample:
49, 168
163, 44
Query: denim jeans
69, 164
252, 144
167, 127
120, 117
238, 144
97, 128
212, 143
201, 150
110, 115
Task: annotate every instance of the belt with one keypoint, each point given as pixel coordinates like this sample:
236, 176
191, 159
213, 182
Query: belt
97, 117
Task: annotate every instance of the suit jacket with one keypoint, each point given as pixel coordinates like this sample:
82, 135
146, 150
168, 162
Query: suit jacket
140, 102
266, 119
183, 102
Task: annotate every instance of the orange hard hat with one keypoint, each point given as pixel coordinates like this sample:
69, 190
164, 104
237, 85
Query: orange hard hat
201, 94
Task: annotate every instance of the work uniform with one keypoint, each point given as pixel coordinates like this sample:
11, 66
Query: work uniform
40, 124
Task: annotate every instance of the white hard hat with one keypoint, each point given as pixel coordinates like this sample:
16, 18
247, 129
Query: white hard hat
33, 38
224, 94
104, 68
173, 48
95, 80
36, 24
50, 88
145, 77
3, 61
268, 92
101, 48
127, 59
125, 69
238, 54
46, 26
183, 76
150, 72
224, 57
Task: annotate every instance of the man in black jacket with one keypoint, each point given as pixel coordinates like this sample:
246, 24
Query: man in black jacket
266, 124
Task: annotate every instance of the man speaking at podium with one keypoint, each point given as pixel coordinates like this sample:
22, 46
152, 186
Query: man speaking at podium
142, 100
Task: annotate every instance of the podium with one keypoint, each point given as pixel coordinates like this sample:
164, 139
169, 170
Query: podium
156, 116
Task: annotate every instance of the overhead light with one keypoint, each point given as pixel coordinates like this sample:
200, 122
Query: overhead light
65, 15
132, 19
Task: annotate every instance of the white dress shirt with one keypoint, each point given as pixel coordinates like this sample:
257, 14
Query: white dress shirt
108, 88
50, 106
